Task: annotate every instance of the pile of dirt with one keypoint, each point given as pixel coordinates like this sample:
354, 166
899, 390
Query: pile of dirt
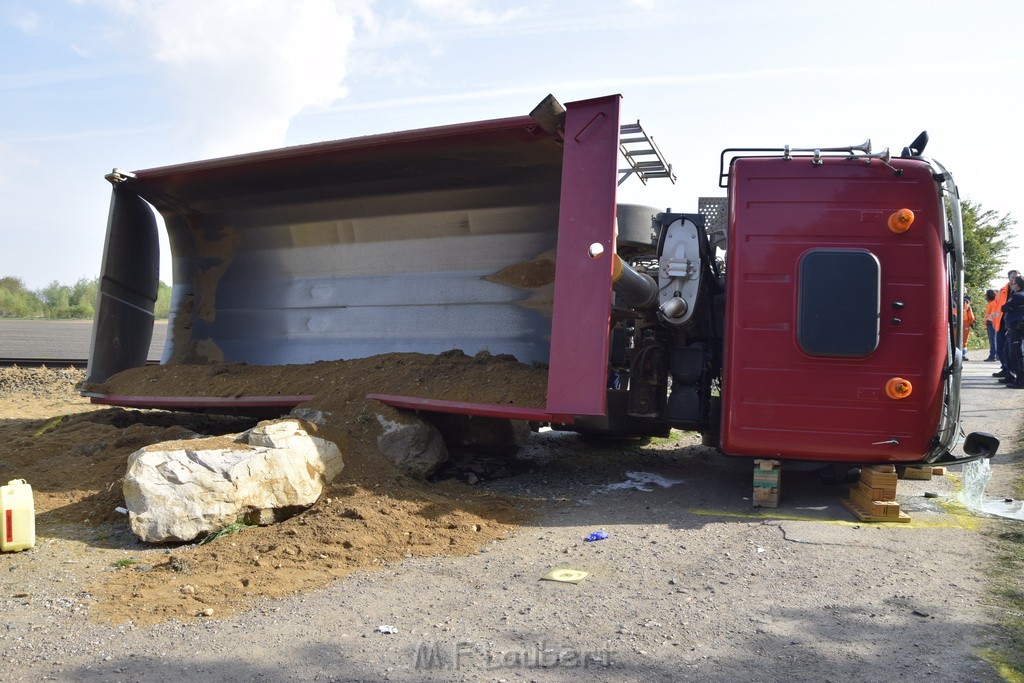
338, 392
25, 392
451, 376
371, 515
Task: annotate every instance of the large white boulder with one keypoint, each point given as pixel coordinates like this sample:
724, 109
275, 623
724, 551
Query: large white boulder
182, 490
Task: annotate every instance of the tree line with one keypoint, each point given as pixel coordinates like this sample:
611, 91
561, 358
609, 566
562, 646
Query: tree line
986, 243
58, 301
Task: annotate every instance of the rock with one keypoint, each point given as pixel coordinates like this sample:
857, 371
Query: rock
89, 449
182, 490
483, 446
179, 564
413, 444
483, 435
311, 415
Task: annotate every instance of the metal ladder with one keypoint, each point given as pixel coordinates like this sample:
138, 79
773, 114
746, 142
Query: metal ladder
638, 148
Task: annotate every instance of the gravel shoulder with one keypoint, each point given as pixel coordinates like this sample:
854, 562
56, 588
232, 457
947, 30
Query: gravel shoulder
693, 583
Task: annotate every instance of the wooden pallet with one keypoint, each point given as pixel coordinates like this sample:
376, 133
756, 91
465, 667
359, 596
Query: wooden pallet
865, 516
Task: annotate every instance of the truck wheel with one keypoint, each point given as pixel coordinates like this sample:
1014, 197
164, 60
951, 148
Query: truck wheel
839, 474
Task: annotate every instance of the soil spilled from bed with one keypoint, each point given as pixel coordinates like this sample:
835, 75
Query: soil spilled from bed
372, 514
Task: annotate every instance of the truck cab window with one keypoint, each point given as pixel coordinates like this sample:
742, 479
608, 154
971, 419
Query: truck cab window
838, 304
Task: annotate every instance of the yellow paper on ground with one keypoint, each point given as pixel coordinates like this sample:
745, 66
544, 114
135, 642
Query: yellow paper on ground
565, 575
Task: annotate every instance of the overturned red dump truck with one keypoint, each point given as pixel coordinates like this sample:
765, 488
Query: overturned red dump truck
809, 315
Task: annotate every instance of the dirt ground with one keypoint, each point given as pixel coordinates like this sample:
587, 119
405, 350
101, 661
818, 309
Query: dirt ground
389, 578
370, 516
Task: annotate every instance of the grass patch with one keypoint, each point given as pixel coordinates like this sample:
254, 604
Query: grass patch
229, 530
672, 439
1007, 589
999, 662
48, 426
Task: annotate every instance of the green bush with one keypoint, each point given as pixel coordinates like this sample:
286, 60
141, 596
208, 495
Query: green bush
18, 302
58, 301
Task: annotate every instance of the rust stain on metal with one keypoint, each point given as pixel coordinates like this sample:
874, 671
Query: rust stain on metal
220, 251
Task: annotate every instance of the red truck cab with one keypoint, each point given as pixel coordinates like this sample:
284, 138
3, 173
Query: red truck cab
838, 309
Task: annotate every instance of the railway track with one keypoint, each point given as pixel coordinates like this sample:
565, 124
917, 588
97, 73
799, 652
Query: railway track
41, 362
52, 362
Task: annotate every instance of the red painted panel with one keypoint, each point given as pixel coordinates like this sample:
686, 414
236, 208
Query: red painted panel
781, 402
463, 408
578, 374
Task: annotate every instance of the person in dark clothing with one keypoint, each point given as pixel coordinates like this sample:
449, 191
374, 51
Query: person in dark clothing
1001, 296
1013, 322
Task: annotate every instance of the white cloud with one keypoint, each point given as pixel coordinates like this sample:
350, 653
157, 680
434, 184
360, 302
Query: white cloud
467, 11
24, 20
239, 70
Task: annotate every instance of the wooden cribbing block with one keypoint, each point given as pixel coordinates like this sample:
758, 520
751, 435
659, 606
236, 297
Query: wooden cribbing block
766, 497
883, 477
876, 508
917, 472
874, 498
767, 483
880, 493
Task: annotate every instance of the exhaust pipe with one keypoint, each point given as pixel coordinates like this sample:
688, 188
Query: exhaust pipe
638, 290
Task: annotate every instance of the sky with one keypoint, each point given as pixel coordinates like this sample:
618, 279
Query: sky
90, 85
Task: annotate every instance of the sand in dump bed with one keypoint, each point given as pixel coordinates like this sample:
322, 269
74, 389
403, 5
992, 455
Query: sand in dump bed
371, 515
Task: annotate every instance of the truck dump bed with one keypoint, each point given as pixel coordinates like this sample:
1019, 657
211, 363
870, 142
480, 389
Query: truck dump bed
474, 236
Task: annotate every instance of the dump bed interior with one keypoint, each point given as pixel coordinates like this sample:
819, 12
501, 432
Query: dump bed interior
472, 237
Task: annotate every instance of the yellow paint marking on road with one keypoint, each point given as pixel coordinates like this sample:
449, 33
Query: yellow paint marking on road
960, 520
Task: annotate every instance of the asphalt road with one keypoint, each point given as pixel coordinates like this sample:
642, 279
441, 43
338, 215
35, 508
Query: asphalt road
60, 339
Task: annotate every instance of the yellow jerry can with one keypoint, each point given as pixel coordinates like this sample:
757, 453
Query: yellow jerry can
17, 516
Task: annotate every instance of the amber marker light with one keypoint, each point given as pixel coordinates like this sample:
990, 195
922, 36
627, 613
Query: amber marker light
901, 220
898, 388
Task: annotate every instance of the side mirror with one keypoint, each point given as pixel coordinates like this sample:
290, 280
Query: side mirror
981, 444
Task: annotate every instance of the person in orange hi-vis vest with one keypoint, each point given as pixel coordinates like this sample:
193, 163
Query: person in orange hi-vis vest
968, 321
992, 312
